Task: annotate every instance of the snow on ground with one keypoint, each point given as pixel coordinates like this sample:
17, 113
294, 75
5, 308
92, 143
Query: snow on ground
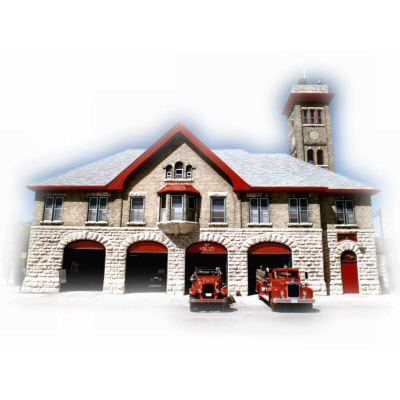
151, 344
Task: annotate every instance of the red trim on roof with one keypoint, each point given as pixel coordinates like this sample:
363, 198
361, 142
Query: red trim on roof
85, 244
237, 182
147, 247
269, 248
178, 189
306, 97
207, 248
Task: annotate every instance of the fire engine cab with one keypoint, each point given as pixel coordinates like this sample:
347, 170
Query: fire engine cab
283, 286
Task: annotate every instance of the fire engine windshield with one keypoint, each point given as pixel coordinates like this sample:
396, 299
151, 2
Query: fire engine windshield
204, 272
287, 274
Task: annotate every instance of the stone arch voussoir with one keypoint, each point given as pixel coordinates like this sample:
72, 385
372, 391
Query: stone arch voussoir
146, 236
269, 237
209, 237
84, 235
347, 245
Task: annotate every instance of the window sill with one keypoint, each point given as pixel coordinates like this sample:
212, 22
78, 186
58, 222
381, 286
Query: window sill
183, 180
136, 223
300, 225
96, 223
220, 224
347, 226
51, 222
261, 224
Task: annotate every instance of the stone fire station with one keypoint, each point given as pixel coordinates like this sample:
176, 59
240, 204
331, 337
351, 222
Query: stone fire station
142, 220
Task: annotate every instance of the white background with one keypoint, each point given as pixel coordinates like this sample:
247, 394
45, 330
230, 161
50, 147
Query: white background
81, 79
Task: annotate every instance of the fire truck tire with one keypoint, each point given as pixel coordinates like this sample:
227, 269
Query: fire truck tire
272, 303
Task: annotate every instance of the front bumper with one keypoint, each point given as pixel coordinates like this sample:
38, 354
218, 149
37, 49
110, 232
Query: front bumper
209, 301
293, 301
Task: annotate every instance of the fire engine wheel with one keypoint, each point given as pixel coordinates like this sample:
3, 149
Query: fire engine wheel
272, 303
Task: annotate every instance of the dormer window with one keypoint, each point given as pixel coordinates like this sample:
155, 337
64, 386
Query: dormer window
168, 173
179, 170
189, 174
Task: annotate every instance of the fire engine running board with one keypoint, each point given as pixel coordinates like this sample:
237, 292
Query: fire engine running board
289, 300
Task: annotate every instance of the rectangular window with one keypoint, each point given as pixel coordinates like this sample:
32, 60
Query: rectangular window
98, 207
345, 212
305, 117
312, 116
218, 209
53, 209
259, 210
163, 208
178, 173
191, 211
137, 209
303, 210
177, 208
298, 210
319, 116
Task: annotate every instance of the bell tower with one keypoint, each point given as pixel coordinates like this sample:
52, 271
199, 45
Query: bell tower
309, 122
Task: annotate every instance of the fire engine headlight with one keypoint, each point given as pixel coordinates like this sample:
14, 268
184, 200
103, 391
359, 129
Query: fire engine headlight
282, 293
199, 290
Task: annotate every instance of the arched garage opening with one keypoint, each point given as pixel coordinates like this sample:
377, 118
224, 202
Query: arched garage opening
349, 272
146, 267
205, 255
267, 255
83, 264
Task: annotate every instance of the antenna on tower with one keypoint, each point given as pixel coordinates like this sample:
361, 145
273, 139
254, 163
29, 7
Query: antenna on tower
303, 80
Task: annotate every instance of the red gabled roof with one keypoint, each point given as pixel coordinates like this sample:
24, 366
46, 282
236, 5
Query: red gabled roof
237, 182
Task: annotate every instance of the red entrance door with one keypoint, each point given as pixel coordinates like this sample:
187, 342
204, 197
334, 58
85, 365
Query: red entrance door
349, 273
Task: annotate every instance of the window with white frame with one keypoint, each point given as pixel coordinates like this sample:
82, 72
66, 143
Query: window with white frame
189, 172
168, 172
312, 116
98, 207
345, 212
53, 209
218, 209
191, 209
137, 209
259, 210
179, 170
177, 213
298, 210
319, 117
305, 116
163, 208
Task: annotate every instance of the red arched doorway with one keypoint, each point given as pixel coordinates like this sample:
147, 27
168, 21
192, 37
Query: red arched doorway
268, 255
349, 272
205, 255
146, 267
83, 263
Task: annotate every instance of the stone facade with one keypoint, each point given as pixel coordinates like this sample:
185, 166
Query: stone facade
48, 243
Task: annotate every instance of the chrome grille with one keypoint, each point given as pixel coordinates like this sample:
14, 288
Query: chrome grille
293, 290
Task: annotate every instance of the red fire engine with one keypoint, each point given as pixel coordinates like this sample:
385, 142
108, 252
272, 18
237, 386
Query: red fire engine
283, 285
207, 288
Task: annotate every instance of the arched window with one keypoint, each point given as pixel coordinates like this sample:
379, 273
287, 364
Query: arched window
168, 173
189, 174
310, 156
320, 157
179, 170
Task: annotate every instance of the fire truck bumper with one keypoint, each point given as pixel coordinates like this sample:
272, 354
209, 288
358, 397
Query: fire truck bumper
209, 301
294, 301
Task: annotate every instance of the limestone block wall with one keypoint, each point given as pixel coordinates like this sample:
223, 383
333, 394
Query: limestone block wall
366, 261
48, 242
